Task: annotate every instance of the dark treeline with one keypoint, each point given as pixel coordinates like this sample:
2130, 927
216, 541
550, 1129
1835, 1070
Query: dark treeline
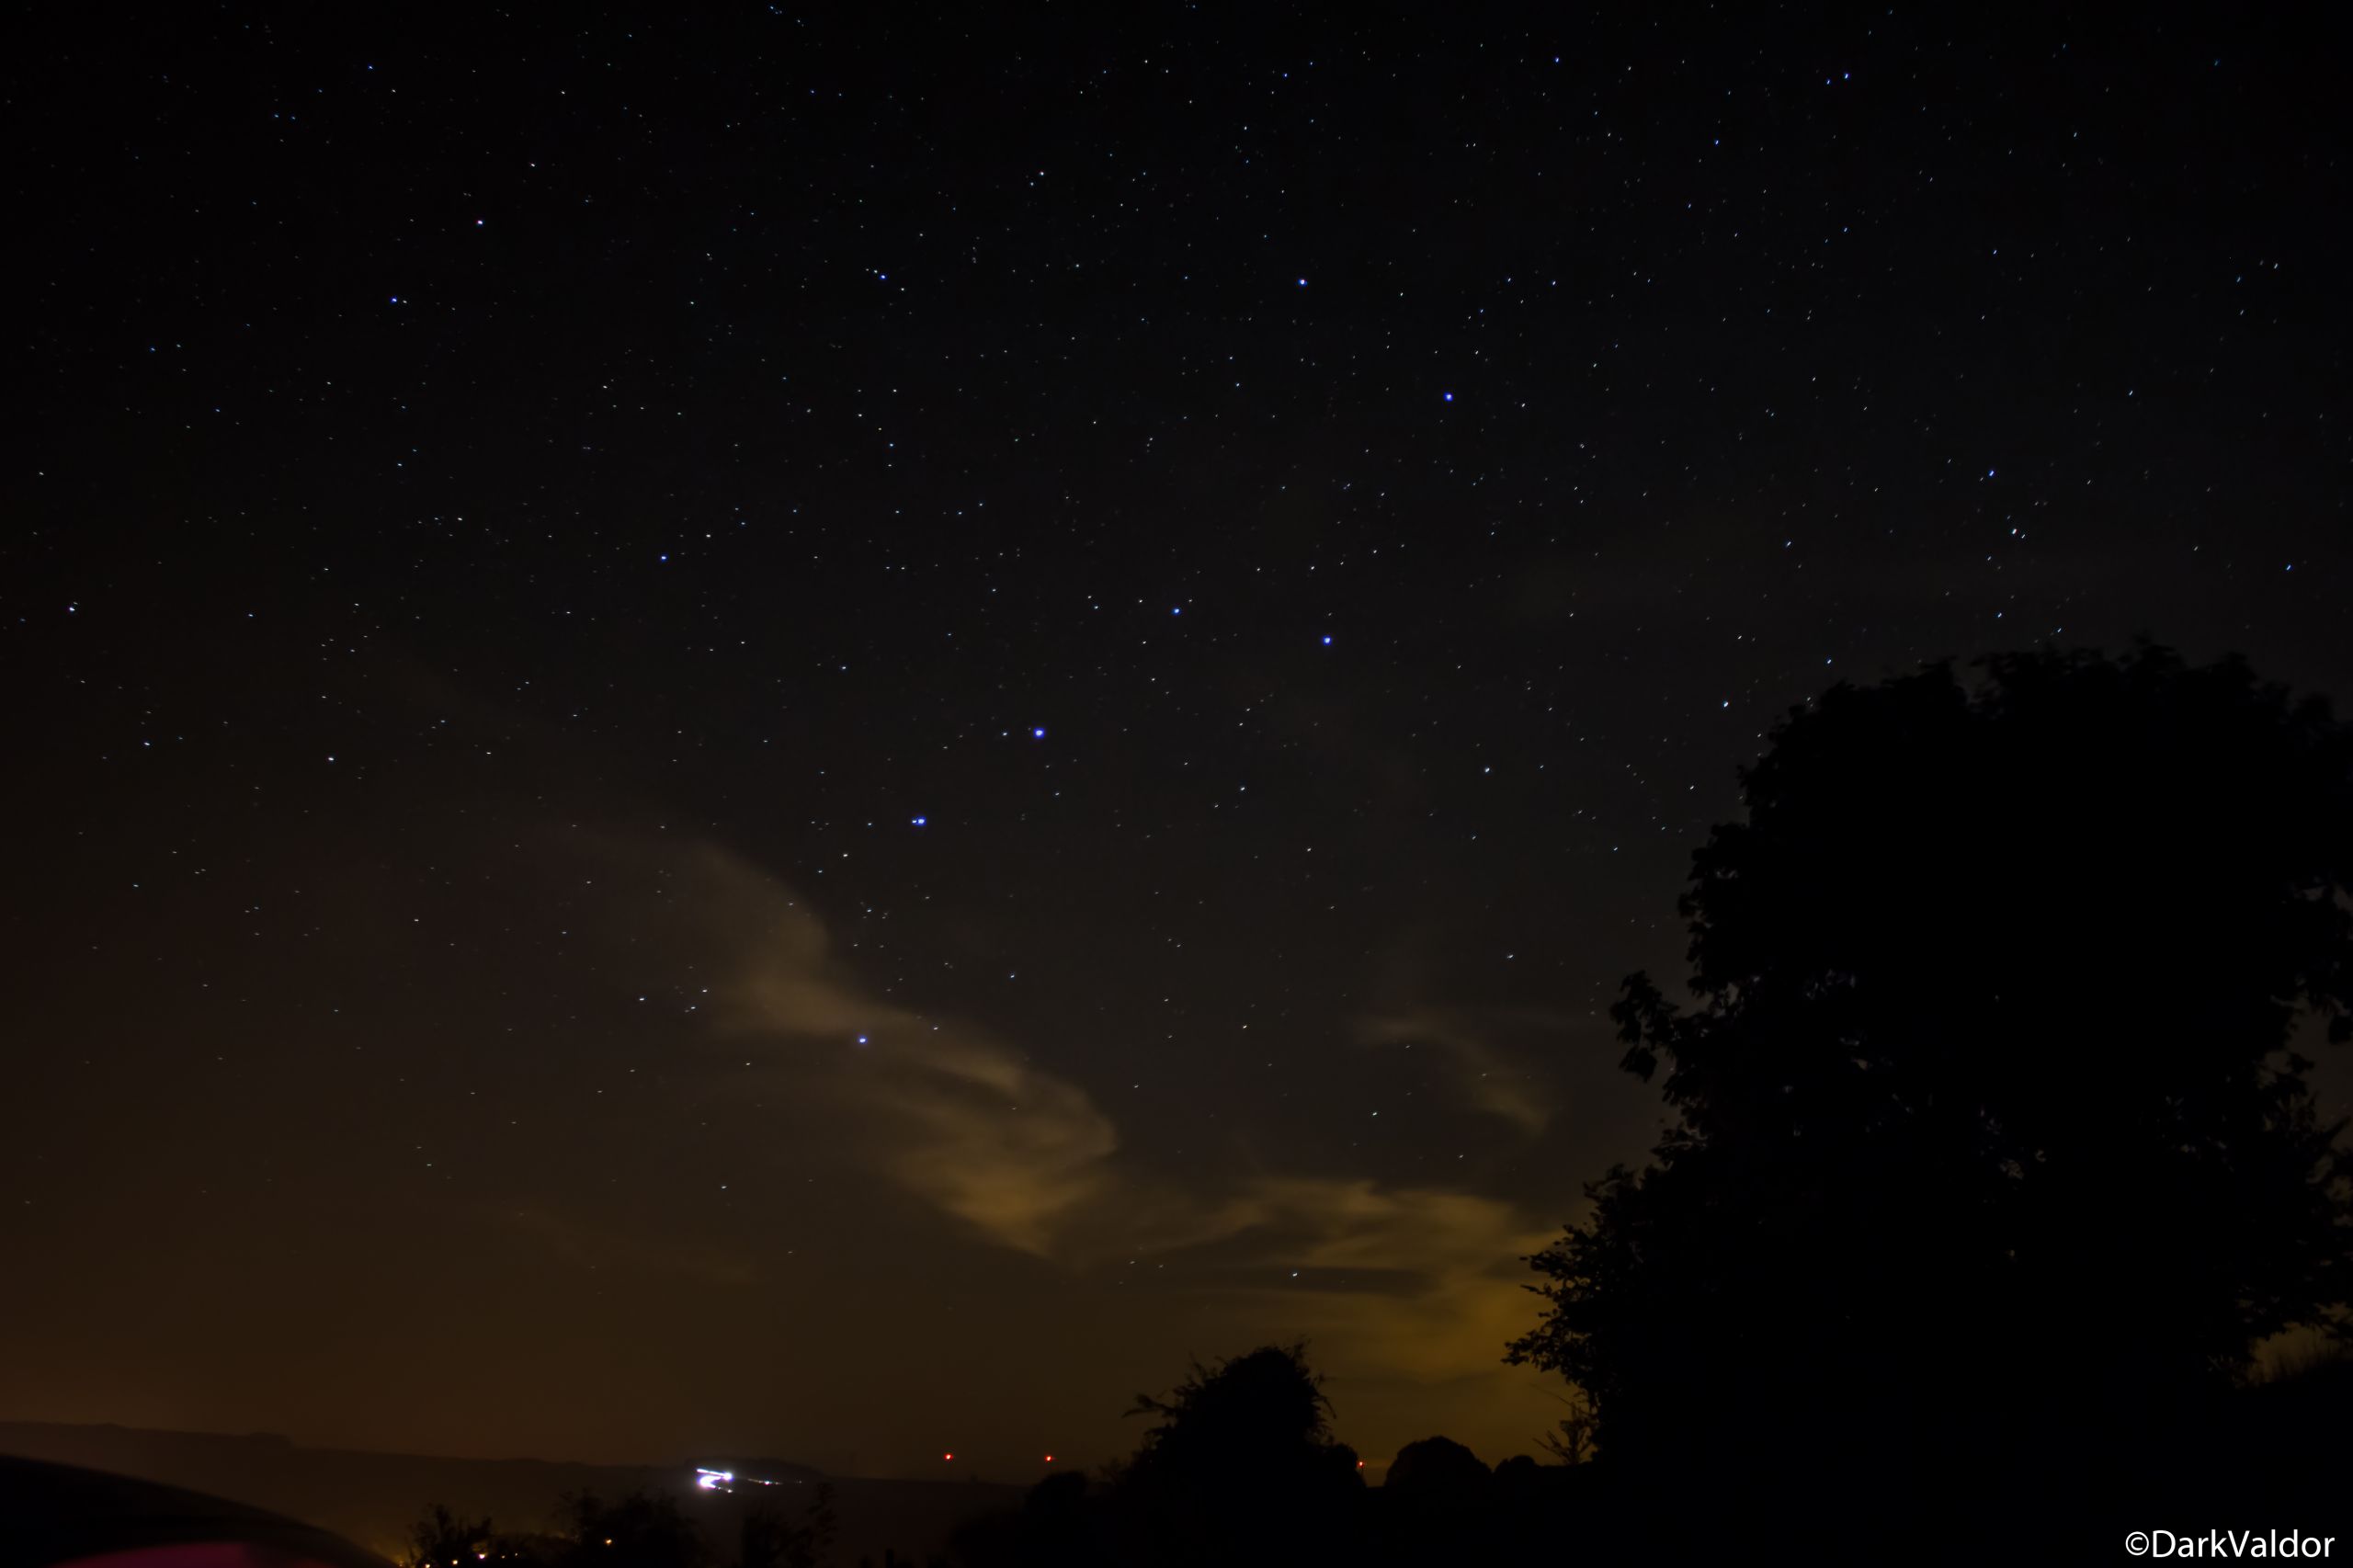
1242, 1469
1996, 1159
1240, 1466
640, 1530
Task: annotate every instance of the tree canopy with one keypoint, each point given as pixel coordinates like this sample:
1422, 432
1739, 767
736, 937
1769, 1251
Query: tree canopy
1239, 1461
1992, 1088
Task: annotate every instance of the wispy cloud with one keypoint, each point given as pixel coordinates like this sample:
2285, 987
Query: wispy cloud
964, 1121
1488, 1077
951, 1114
1422, 1283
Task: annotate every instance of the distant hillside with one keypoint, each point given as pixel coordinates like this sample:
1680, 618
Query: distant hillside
373, 1498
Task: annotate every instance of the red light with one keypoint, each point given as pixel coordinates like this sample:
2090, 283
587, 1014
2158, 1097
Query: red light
1050, 1459
1359, 1464
948, 1456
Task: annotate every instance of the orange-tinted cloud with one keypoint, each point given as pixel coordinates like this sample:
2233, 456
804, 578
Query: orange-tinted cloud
1487, 1077
1411, 1288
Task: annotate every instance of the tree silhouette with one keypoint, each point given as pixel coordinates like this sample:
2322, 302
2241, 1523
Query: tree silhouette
1438, 1472
769, 1539
1439, 1503
640, 1530
442, 1539
1989, 1098
1240, 1464
1572, 1442
1058, 1525
1262, 1411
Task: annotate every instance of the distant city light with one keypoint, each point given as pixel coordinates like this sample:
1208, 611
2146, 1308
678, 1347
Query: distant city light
710, 1480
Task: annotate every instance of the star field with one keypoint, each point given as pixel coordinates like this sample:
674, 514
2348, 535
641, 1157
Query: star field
968, 707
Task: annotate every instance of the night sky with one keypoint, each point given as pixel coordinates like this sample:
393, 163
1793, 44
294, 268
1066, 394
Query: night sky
822, 733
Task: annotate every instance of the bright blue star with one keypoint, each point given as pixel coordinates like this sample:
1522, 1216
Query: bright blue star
1328, 641
918, 821
1038, 734
1450, 397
